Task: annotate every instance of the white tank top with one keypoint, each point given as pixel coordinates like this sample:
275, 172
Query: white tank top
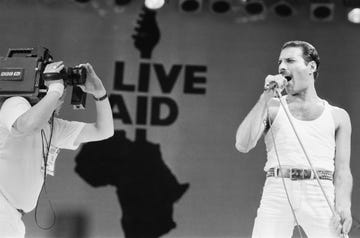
317, 136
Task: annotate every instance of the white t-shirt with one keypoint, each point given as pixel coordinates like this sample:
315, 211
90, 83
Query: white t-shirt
21, 156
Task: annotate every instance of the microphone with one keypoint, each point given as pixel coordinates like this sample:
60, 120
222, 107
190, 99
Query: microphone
274, 85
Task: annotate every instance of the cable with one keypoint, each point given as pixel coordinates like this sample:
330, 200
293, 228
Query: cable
45, 157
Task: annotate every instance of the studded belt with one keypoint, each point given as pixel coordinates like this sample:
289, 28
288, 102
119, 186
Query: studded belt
299, 174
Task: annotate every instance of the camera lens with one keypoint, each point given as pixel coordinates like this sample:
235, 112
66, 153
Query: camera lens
75, 76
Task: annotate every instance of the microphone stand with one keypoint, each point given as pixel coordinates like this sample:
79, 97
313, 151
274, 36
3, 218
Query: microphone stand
278, 94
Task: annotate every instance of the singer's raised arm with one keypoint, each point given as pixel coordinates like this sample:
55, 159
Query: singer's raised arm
254, 124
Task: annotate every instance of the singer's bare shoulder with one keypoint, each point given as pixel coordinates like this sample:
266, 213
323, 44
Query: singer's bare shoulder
341, 117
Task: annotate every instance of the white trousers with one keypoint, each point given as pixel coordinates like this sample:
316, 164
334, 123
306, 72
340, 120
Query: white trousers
275, 219
11, 225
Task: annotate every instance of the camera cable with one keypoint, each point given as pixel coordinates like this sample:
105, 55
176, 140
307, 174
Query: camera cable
43, 188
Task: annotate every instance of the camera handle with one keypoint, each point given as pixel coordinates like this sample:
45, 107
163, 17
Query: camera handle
27, 52
52, 76
30, 52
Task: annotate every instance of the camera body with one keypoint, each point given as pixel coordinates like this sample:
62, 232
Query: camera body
21, 74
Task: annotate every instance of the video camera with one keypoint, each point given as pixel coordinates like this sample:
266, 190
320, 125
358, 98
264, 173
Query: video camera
21, 74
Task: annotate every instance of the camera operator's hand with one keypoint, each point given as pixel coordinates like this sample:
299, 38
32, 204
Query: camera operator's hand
54, 85
93, 84
103, 127
54, 67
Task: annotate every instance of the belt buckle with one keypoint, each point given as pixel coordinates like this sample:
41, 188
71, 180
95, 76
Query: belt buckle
297, 174
292, 175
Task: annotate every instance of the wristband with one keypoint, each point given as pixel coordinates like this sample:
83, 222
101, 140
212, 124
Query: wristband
56, 87
100, 98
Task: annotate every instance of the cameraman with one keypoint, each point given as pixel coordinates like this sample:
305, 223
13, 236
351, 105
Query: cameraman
30, 135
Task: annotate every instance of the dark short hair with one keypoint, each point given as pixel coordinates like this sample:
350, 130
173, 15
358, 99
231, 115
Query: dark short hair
309, 53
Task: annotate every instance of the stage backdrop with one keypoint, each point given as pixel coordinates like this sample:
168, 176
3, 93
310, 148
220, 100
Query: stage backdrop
179, 85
